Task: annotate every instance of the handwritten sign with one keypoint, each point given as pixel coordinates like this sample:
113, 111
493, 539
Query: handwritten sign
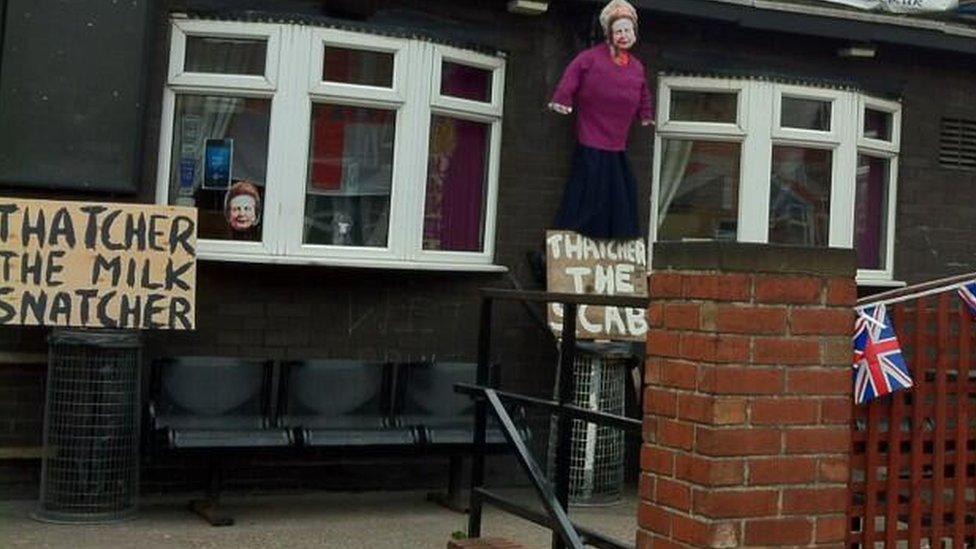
97, 265
576, 264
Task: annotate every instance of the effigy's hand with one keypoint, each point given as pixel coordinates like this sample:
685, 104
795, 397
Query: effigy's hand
561, 109
647, 123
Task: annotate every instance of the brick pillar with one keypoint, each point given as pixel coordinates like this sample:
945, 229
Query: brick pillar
747, 398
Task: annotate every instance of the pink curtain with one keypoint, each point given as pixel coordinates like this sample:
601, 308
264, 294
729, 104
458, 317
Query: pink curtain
457, 170
870, 214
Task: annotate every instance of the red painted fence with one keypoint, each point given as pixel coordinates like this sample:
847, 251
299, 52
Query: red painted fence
913, 465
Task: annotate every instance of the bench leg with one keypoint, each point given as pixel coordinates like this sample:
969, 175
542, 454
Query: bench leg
456, 497
209, 507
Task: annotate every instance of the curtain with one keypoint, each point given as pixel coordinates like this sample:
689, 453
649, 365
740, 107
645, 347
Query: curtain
870, 212
464, 186
676, 155
457, 170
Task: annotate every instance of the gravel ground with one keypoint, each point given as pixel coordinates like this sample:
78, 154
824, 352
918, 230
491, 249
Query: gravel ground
332, 520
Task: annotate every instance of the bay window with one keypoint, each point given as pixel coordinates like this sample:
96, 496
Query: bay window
758, 161
362, 150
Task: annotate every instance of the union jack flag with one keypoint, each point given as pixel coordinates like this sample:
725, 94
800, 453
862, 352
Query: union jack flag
968, 295
879, 367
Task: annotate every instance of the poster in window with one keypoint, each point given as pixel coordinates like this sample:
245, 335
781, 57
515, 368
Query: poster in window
218, 158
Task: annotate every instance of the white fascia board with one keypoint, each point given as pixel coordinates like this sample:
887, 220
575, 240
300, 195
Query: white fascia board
838, 13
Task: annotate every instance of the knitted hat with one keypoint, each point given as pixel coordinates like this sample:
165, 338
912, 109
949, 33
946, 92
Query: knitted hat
614, 10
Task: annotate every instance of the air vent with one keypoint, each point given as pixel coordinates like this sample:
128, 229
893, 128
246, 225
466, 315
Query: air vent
958, 143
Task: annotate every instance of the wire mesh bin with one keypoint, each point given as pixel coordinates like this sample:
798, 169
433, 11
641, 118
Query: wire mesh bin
596, 471
90, 468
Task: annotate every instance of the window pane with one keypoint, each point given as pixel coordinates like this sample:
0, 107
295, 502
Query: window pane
465, 82
695, 106
368, 68
877, 124
799, 202
350, 176
220, 163
225, 55
871, 212
699, 190
805, 114
457, 184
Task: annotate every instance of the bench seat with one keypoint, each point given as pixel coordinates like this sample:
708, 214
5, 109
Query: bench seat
201, 402
183, 439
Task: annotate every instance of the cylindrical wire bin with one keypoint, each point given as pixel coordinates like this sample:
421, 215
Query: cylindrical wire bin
90, 467
596, 470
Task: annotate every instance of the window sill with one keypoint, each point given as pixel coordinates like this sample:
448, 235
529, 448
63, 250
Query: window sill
348, 262
880, 283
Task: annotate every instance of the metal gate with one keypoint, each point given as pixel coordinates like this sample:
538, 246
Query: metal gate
913, 460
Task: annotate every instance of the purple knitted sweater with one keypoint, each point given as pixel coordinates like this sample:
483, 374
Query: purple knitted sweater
606, 97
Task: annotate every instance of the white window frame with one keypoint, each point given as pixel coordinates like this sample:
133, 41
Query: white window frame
843, 163
317, 91
758, 128
489, 113
711, 131
889, 150
833, 97
228, 85
182, 29
707, 85
293, 88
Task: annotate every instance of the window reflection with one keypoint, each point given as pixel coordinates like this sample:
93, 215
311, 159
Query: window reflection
350, 176
799, 202
367, 68
220, 144
465, 82
877, 124
696, 106
699, 190
212, 54
871, 212
805, 114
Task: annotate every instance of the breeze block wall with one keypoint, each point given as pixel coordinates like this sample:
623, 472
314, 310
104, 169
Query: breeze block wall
747, 399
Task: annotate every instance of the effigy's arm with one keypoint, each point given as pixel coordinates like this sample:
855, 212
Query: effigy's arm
646, 109
563, 98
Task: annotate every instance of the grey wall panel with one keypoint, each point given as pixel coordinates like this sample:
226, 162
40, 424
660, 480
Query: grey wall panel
71, 94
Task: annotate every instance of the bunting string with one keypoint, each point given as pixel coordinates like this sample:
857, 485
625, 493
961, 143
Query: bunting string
916, 291
879, 367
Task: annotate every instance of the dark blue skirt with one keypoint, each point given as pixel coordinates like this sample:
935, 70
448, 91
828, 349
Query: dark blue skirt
600, 200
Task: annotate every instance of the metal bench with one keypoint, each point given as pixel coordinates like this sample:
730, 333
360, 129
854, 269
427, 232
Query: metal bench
426, 401
199, 404
219, 407
340, 404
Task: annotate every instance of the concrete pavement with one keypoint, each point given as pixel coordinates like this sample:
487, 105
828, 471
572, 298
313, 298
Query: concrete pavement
318, 519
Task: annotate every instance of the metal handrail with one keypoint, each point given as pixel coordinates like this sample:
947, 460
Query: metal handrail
560, 520
575, 412
554, 496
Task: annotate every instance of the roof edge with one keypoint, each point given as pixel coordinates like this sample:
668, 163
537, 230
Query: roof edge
829, 22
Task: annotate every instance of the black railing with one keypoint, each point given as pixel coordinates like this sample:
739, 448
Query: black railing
554, 495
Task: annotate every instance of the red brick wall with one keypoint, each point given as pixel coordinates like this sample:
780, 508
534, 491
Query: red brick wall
746, 409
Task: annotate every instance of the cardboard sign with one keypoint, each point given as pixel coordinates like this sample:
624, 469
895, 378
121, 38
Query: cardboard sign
97, 265
576, 264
